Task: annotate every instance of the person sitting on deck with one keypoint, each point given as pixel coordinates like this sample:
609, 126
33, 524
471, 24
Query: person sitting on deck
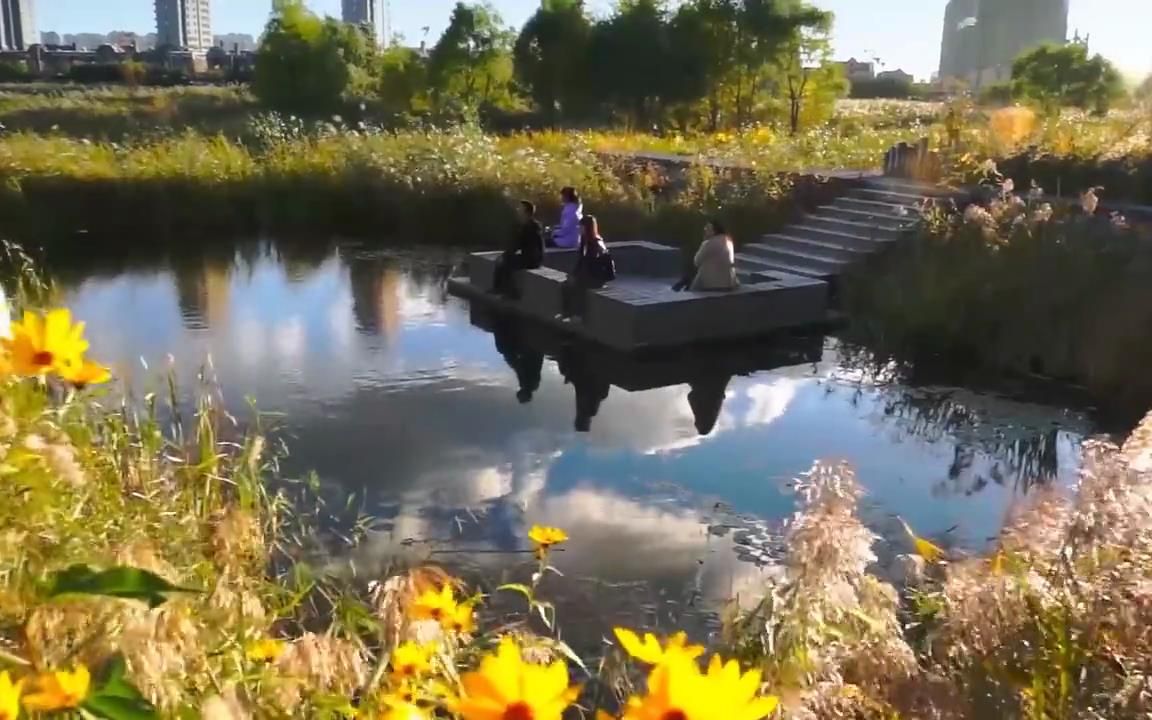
715, 261
593, 269
567, 234
524, 252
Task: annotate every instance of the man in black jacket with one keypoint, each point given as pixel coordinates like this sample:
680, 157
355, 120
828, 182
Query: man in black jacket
524, 252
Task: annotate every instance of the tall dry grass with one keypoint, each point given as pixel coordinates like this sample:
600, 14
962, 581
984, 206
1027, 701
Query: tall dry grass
1020, 289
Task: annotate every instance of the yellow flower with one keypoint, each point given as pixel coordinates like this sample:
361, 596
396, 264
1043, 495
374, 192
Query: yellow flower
545, 537
40, 345
9, 696
265, 650
462, 619
59, 690
649, 651
410, 660
926, 549
507, 688
435, 605
679, 690
85, 373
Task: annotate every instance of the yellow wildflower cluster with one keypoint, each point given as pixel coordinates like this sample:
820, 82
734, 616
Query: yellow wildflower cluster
678, 688
50, 344
47, 692
523, 678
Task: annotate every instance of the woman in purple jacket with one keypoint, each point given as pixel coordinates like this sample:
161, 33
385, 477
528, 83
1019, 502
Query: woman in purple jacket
567, 234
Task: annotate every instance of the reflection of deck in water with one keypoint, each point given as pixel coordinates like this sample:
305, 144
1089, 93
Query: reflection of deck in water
648, 371
593, 369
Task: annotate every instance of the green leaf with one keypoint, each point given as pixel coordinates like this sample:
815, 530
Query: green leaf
522, 589
127, 583
117, 699
111, 707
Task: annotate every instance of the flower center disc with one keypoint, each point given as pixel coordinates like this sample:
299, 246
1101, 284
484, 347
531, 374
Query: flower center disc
43, 358
519, 711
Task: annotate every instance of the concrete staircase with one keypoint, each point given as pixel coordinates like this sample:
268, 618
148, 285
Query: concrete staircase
825, 243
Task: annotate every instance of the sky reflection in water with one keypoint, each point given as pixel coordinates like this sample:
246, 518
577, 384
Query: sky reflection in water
390, 393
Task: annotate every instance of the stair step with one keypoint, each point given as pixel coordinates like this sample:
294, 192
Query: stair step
759, 264
788, 240
909, 187
888, 196
868, 239
897, 210
851, 227
894, 222
812, 259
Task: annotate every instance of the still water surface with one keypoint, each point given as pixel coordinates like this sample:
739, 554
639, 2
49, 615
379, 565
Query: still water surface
455, 438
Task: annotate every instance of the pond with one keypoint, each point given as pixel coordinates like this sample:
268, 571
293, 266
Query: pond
455, 431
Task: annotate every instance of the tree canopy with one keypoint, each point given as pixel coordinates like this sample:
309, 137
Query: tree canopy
1056, 76
305, 64
700, 63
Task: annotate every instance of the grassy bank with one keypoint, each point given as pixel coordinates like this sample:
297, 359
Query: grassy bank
149, 571
1017, 291
456, 187
128, 164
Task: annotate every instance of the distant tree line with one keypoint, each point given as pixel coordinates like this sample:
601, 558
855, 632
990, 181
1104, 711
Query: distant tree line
712, 64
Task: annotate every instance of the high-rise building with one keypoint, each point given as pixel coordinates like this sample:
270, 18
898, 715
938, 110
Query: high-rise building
17, 25
184, 24
1013, 28
364, 13
982, 38
956, 48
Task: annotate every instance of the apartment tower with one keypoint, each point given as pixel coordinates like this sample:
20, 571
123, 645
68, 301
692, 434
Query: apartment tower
17, 25
183, 24
982, 38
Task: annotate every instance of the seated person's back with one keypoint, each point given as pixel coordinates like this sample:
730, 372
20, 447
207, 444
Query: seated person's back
716, 261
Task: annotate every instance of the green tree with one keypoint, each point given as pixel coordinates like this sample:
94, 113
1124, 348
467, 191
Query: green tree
471, 64
1056, 76
304, 64
403, 79
810, 82
765, 30
732, 51
704, 35
629, 62
549, 55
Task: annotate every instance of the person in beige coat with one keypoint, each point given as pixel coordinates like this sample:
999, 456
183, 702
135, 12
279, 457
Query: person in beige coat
715, 260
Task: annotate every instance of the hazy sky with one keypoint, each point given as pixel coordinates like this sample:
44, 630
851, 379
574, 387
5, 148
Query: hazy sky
902, 33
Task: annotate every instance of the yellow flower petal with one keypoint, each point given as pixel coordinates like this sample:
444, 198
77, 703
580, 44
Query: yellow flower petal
546, 537
59, 690
10, 696
506, 686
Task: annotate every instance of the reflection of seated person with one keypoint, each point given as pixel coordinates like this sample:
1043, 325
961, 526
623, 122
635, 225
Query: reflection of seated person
706, 398
591, 389
528, 364
524, 252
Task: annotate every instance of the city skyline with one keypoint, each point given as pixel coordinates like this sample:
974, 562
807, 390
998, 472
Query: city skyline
901, 33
